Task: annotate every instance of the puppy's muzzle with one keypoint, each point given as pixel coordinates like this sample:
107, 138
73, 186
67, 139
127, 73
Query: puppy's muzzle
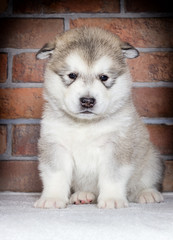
87, 102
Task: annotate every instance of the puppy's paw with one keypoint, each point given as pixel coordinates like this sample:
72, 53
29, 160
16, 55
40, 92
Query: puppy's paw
82, 198
150, 196
50, 203
112, 203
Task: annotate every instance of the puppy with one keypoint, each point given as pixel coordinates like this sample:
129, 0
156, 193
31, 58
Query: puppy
93, 145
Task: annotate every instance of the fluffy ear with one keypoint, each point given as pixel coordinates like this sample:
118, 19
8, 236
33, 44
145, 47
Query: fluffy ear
129, 51
46, 51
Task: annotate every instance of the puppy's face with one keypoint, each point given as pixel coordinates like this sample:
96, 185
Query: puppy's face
86, 76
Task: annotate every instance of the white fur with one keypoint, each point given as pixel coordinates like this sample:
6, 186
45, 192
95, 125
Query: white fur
102, 65
105, 154
76, 63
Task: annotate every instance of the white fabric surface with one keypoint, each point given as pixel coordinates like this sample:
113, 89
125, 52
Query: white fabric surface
20, 221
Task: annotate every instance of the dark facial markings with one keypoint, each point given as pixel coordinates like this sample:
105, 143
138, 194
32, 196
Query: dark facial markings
67, 78
108, 80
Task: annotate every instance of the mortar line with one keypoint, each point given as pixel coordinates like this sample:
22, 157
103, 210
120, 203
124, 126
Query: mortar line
167, 157
160, 49
20, 85
88, 15
122, 6
16, 51
10, 69
18, 158
147, 120
158, 121
10, 7
8, 152
20, 121
159, 84
66, 24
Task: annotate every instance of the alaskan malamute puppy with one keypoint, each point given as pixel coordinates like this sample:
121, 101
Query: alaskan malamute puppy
93, 145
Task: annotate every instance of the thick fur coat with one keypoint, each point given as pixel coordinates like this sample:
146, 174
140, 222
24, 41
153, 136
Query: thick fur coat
93, 145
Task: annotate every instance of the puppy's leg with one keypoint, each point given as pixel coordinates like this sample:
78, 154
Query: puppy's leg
112, 183
56, 177
143, 189
113, 190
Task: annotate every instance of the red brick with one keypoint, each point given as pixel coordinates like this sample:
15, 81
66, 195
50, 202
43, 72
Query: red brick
66, 6
3, 138
148, 6
154, 102
3, 67
20, 176
168, 178
27, 69
25, 138
162, 137
28, 33
140, 32
21, 103
152, 67
3, 6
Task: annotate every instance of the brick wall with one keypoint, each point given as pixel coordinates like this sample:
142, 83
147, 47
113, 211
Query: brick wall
27, 25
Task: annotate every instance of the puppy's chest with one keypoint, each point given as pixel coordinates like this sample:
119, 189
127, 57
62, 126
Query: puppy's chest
86, 145
86, 149
86, 157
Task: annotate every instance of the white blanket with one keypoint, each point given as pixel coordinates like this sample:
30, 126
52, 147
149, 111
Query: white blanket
20, 221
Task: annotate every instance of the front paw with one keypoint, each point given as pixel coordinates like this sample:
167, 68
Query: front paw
150, 196
50, 203
82, 198
112, 203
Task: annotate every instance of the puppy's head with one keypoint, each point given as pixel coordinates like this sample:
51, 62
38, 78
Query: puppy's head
87, 76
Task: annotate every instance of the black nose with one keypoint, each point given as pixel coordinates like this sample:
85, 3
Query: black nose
87, 102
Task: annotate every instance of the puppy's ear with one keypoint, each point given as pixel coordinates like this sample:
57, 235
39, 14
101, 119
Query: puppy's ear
46, 51
129, 51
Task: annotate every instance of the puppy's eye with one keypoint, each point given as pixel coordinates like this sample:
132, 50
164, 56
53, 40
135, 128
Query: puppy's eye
72, 76
103, 78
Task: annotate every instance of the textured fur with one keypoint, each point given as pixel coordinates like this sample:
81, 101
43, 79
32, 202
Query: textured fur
103, 155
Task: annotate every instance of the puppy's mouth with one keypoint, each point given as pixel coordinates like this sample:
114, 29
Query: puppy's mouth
86, 112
